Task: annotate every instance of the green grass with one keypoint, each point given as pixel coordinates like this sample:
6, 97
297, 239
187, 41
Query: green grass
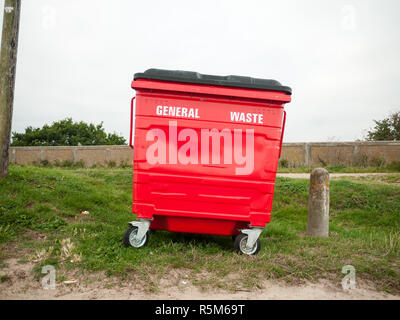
4, 278
283, 166
37, 201
393, 178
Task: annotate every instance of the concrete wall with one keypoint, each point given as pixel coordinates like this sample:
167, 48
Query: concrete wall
316, 154
308, 154
89, 155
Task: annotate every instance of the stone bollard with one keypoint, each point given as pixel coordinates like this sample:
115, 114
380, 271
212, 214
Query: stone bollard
318, 203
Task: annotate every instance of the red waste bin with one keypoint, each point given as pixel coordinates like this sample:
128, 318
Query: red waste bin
206, 152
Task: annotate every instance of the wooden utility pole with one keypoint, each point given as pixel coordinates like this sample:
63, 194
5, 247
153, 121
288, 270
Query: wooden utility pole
8, 61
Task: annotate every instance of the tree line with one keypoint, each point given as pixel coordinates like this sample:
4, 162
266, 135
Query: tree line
66, 132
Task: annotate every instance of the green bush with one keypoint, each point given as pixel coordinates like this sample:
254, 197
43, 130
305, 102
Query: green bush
394, 166
283, 163
66, 133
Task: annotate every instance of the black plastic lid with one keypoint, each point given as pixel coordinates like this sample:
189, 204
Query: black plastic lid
226, 81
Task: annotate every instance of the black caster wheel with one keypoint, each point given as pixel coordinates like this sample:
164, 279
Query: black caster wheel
130, 238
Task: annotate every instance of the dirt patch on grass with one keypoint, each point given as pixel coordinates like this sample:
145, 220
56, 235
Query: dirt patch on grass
20, 283
14, 249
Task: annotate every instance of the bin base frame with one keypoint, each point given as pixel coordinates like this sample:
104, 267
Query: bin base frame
143, 225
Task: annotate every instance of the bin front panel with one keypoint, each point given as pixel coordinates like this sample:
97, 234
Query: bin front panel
215, 159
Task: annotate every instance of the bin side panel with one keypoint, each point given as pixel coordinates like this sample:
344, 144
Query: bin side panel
205, 190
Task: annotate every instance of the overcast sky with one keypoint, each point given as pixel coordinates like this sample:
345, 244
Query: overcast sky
341, 58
